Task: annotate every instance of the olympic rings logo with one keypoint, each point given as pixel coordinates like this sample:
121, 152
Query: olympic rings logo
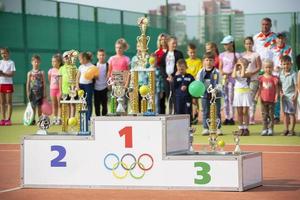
136, 163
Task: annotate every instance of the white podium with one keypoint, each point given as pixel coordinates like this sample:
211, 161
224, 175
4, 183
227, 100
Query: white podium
134, 152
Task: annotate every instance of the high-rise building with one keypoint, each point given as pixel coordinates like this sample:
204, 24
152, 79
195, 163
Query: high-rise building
177, 19
218, 20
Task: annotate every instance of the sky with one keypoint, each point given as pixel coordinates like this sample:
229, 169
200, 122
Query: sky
193, 6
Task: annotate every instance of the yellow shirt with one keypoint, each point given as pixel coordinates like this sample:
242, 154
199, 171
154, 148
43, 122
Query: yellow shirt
194, 66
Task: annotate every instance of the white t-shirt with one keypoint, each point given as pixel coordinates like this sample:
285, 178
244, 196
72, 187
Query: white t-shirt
101, 82
241, 82
263, 45
82, 69
7, 66
170, 62
252, 58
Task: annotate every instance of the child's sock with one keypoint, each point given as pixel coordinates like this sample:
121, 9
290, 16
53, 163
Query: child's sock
241, 127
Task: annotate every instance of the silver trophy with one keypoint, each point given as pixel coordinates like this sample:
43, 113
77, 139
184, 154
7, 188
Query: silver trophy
43, 124
84, 121
237, 150
117, 81
119, 92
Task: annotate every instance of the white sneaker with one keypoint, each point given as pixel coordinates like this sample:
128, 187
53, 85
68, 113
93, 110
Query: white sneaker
264, 132
270, 132
205, 132
219, 132
58, 122
54, 121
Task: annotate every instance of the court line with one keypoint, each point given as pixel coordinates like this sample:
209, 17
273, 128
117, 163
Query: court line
266, 152
283, 186
10, 190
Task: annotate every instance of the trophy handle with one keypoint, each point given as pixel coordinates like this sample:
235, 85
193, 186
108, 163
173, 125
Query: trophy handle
110, 81
207, 122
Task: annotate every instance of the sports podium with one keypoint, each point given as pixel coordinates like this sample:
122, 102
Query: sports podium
134, 152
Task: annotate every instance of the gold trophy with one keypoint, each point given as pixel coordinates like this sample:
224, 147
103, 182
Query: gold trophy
147, 103
213, 122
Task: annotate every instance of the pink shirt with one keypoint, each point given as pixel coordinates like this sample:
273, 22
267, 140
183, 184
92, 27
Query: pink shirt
54, 78
268, 88
119, 63
227, 59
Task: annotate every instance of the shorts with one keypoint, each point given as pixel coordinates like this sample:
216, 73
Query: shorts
288, 105
55, 93
6, 88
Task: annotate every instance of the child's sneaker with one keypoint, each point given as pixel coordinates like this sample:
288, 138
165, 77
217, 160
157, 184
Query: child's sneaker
291, 133
264, 132
285, 133
2, 122
219, 132
58, 122
246, 132
7, 122
270, 132
205, 132
54, 121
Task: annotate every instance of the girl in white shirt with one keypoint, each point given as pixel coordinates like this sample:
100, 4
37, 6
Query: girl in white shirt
7, 71
84, 84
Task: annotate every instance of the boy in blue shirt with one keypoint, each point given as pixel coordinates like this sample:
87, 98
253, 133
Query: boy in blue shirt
209, 75
182, 80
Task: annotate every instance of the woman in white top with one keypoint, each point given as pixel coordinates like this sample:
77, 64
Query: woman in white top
84, 84
253, 68
7, 70
242, 94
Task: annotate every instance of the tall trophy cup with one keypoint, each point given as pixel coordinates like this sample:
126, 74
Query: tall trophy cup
84, 121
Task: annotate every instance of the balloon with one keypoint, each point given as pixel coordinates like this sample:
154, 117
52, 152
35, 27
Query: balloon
91, 73
72, 121
46, 107
221, 143
80, 93
197, 89
144, 90
152, 60
95, 71
88, 75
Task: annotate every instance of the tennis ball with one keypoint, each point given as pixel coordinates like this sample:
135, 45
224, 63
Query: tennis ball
72, 121
80, 93
144, 90
221, 143
152, 60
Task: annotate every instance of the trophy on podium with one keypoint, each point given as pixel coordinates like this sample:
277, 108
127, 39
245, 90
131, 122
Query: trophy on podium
213, 122
84, 121
117, 81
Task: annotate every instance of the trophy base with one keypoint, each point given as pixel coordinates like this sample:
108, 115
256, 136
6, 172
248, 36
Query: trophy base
41, 132
149, 113
84, 133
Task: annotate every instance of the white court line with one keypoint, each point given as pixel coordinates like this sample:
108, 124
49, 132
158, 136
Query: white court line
268, 152
283, 186
10, 190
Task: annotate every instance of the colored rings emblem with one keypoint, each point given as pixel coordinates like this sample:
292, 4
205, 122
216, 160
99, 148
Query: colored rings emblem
128, 163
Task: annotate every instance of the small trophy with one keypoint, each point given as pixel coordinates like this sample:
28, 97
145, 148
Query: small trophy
43, 124
84, 121
237, 150
119, 92
117, 81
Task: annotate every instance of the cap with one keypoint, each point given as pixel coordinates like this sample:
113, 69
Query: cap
227, 39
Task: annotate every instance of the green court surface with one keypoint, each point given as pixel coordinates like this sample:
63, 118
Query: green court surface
15, 133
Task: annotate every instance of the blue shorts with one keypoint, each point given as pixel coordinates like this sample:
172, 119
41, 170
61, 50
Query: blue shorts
288, 105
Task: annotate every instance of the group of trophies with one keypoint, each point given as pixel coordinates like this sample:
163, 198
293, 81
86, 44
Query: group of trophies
145, 106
